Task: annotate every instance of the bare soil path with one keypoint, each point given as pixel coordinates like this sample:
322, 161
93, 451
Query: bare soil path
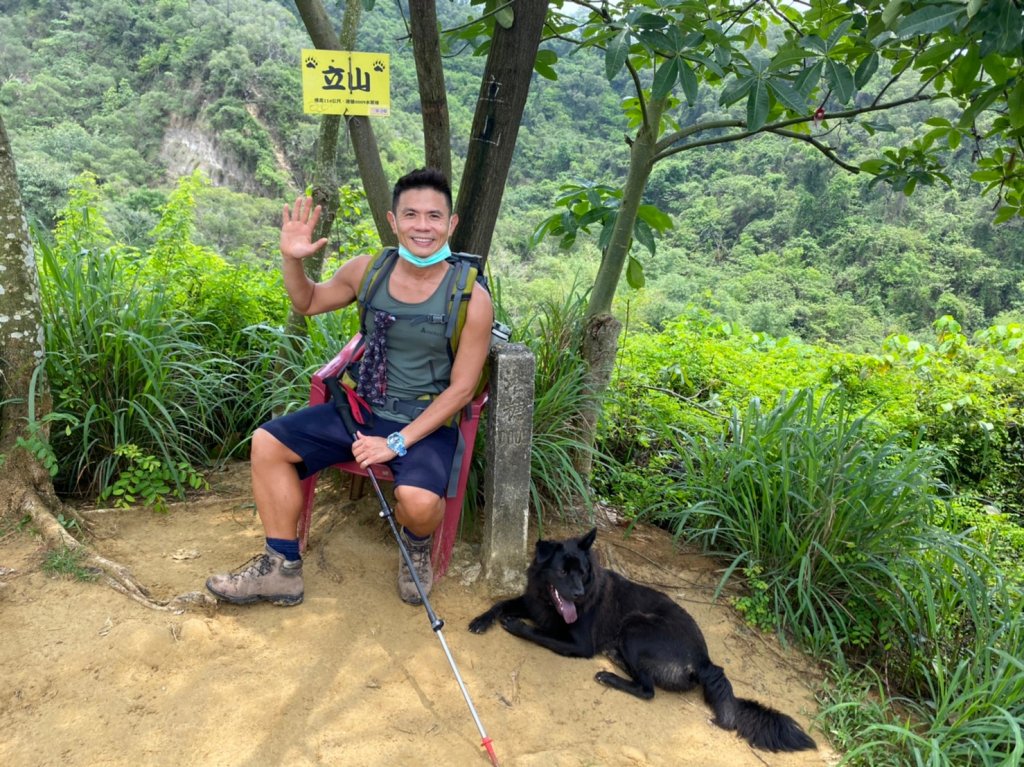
350, 677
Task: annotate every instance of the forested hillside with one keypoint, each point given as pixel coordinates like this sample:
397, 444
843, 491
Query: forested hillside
767, 232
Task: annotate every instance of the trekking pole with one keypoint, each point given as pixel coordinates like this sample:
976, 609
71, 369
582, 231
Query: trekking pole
436, 623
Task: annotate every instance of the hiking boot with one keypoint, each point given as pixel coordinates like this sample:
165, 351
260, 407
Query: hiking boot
419, 552
267, 576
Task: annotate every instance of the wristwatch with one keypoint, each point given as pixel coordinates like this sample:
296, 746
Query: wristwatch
396, 443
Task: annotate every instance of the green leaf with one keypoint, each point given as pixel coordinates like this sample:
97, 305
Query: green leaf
758, 105
650, 21
654, 217
892, 10
635, 274
996, 68
965, 69
866, 70
813, 42
1015, 104
688, 78
927, 20
723, 55
606, 233
873, 167
709, 64
788, 96
665, 79
657, 41
505, 16
807, 80
840, 79
978, 105
736, 90
1005, 213
615, 55
644, 235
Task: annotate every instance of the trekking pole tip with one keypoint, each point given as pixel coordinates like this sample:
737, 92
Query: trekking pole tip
486, 743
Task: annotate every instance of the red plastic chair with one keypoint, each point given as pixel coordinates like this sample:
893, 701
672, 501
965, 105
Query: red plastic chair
447, 531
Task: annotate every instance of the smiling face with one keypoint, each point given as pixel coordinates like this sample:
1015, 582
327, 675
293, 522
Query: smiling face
422, 221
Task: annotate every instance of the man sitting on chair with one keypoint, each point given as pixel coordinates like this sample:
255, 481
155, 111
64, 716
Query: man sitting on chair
407, 360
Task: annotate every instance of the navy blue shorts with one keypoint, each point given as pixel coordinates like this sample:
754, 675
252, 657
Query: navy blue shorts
318, 435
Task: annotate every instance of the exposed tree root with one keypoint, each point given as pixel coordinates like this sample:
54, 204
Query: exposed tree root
113, 574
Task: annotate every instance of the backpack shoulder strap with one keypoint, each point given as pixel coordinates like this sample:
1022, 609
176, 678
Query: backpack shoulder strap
467, 271
376, 273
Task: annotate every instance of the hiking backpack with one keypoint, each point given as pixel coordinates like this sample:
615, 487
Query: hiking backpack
460, 281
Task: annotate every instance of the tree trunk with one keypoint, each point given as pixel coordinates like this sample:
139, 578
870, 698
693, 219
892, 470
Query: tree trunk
426, 46
22, 347
25, 485
601, 333
600, 342
499, 109
641, 162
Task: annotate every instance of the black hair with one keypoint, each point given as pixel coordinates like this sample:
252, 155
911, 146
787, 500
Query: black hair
422, 178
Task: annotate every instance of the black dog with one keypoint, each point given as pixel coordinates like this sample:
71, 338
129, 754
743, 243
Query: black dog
579, 609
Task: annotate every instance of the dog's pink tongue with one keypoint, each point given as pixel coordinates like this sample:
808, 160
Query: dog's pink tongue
565, 608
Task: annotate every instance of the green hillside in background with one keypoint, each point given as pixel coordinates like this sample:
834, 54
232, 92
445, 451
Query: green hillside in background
765, 232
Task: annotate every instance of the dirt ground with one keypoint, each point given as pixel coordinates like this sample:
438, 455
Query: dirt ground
352, 676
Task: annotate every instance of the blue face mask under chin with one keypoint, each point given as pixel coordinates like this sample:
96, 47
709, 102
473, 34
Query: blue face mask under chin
437, 258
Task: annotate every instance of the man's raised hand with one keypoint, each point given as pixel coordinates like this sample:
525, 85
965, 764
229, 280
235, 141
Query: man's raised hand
297, 226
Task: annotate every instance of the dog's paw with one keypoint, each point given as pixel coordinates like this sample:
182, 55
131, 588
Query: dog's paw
513, 625
604, 677
481, 623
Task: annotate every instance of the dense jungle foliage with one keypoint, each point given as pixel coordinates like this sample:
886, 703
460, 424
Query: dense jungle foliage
819, 382
765, 232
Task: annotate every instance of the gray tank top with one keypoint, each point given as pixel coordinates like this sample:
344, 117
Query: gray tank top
417, 350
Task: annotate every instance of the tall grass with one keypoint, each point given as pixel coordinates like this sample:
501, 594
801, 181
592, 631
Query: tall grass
554, 335
835, 520
125, 370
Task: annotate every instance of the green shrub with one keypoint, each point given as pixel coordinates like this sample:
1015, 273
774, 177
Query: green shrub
821, 506
554, 334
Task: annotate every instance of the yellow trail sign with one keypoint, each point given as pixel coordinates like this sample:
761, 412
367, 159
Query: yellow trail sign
346, 83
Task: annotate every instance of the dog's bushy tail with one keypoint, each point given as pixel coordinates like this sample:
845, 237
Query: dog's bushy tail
759, 725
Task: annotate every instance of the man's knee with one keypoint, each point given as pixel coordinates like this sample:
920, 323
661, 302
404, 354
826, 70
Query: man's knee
266, 448
419, 505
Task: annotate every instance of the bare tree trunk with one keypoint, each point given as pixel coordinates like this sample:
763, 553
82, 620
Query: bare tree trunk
25, 485
426, 46
601, 334
499, 110
600, 342
22, 346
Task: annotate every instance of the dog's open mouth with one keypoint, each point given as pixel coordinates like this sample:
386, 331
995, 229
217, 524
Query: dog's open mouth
565, 608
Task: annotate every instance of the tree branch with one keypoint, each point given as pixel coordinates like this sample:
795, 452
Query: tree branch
669, 145
826, 150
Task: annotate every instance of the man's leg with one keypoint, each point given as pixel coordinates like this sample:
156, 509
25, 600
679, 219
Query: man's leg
276, 487
276, 574
419, 512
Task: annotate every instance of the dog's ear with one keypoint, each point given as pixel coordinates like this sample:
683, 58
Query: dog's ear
544, 550
588, 540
